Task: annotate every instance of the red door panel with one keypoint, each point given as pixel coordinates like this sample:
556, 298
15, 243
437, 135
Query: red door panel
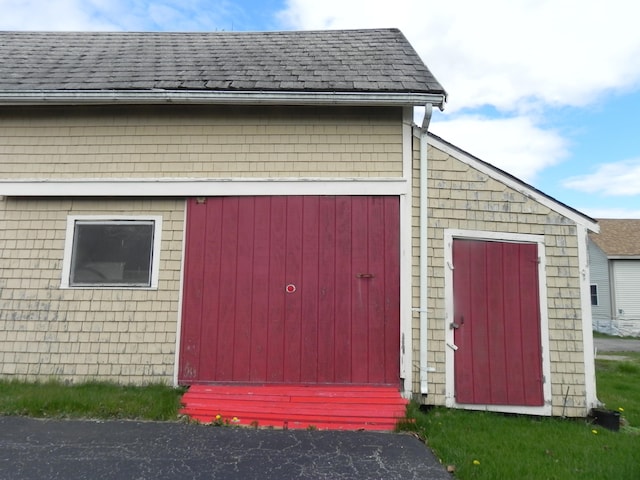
340, 324
497, 315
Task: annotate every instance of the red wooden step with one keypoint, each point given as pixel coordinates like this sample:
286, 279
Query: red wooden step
339, 407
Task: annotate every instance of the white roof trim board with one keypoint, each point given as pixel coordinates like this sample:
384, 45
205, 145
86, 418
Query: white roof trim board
200, 187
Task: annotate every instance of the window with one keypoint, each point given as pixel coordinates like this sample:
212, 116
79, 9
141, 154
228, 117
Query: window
112, 252
594, 295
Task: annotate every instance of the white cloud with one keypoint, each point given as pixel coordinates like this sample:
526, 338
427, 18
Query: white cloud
523, 58
611, 212
507, 53
610, 179
516, 145
51, 15
116, 15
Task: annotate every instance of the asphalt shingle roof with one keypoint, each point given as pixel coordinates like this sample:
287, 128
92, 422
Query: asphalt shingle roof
618, 237
362, 61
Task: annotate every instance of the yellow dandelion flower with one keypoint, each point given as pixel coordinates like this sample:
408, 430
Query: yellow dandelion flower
235, 419
620, 409
218, 417
476, 462
594, 431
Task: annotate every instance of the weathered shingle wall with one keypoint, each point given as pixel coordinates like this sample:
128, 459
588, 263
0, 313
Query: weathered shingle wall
126, 336
461, 197
213, 142
129, 335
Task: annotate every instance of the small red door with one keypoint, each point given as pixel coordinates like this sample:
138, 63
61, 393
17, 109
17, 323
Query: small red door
497, 323
292, 289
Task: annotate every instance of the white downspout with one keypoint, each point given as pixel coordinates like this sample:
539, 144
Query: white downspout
424, 231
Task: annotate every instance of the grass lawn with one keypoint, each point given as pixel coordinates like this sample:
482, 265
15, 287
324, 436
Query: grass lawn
483, 445
89, 400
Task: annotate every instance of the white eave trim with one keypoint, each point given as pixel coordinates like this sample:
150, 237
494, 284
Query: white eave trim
201, 187
519, 187
159, 96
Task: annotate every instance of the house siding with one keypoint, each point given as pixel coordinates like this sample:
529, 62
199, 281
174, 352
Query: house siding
129, 335
121, 335
599, 275
626, 281
200, 142
463, 198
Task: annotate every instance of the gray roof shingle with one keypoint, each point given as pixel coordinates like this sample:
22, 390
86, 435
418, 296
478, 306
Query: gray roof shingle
353, 61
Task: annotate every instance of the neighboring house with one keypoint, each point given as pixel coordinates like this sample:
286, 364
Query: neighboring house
259, 208
614, 257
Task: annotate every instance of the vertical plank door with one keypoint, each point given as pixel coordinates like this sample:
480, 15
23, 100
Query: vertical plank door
292, 289
497, 323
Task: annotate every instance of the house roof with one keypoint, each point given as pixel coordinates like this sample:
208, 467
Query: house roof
375, 64
618, 237
513, 182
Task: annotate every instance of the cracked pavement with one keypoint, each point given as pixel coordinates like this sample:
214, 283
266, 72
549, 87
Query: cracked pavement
85, 449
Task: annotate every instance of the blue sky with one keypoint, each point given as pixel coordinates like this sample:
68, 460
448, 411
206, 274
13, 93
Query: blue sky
548, 90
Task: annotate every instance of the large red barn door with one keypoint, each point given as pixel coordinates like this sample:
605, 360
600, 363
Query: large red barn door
291, 289
498, 360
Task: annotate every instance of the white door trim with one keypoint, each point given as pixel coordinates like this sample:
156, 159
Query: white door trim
449, 236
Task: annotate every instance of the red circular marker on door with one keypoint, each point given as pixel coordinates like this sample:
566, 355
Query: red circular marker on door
290, 288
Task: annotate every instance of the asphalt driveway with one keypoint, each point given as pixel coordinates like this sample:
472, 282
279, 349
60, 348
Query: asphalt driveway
72, 449
616, 345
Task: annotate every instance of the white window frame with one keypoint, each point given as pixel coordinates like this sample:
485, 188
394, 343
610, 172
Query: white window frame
155, 254
597, 304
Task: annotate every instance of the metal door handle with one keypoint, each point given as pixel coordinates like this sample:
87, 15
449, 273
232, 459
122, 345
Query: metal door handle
364, 275
454, 325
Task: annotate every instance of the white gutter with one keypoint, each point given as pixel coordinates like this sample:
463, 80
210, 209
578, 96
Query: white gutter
159, 96
424, 231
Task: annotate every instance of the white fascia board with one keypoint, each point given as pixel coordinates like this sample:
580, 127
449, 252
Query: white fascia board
201, 187
511, 183
141, 97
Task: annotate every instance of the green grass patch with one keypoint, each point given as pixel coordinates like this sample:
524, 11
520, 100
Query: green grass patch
618, 384
484, 445
616, 337
97, 400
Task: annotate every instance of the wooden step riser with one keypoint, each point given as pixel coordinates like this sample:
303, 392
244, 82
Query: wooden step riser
302, 425
297, 406
337, 412
326, 416
294, 398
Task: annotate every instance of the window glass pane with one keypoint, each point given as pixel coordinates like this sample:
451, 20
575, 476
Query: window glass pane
594, 295
115, 253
